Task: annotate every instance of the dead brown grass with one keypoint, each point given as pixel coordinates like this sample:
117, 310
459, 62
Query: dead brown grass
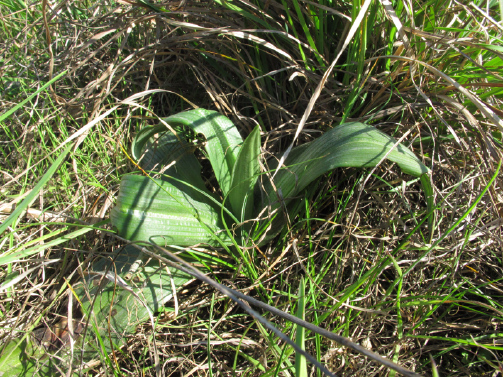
113, 52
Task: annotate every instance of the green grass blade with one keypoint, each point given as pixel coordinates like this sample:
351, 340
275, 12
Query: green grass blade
430, 201
8, 113
8, 258
434, 370
153, 7
399, 326
35, 191
245, 14
466, 342
456, 224
307, 33
300, 336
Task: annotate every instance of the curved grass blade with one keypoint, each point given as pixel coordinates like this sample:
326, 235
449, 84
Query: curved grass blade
35, 191
348, 145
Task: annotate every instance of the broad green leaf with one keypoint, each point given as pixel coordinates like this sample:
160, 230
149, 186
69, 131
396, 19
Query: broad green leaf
113, 311
178, 210
35, 191
113, 303
156, 211
22, 359
244, 176
348, 145
222, 140
172, 156
142, 138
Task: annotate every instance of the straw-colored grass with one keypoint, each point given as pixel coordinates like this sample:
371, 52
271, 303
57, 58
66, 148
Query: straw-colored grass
429, 71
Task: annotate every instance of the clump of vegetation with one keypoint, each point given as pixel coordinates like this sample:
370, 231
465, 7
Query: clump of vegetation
360, 253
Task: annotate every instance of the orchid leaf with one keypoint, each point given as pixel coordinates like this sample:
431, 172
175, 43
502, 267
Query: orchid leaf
115, 306
222, 140
348, 145
174, 158
244, 176
173, 206
23, 358
156, 211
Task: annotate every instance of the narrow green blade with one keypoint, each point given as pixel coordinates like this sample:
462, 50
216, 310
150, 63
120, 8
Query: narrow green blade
26, 252
300, 335
11, 111
244, 176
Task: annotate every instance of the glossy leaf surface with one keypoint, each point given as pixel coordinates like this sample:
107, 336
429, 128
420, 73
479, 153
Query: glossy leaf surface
157, 211
222, 140
348, 145
244, 176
